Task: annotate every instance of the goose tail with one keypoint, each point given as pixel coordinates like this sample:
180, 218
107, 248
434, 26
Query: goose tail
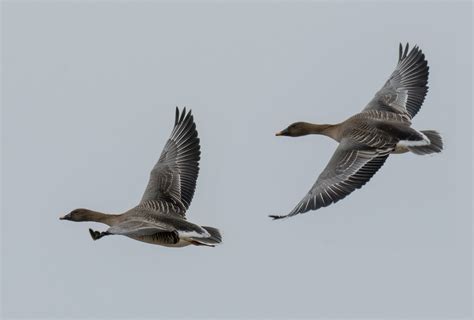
214, 238
435, 146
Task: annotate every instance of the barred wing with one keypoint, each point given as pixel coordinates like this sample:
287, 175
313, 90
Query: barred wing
405, 90
173, 178
351, 166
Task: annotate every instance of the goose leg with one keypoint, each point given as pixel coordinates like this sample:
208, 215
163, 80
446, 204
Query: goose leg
97, 234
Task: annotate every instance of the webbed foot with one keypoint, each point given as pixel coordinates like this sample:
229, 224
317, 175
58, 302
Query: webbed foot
97, 234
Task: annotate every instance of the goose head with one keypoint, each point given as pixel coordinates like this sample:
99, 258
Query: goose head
77, 215
296, 129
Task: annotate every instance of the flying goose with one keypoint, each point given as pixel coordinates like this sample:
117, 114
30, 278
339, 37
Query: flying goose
369, 137
160, 216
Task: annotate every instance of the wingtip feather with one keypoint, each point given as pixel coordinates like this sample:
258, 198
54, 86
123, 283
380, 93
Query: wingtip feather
176, 117
276, 217
406, 50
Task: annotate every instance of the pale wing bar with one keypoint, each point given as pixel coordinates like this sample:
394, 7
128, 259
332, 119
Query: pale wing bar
138, 228
405, 90
145, 230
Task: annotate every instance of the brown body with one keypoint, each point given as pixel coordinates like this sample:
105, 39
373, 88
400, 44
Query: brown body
160, 217
373, 128
367, 138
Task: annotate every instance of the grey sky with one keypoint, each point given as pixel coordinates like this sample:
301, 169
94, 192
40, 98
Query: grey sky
88, 97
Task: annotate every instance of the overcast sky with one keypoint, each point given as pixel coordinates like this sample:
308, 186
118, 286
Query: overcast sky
89, 91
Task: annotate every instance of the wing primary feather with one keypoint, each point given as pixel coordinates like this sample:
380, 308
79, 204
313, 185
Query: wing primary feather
334, 183
176, 116
172, 180
404, 92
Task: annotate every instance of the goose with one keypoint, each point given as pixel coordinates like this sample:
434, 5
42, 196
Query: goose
366, 139
160, 217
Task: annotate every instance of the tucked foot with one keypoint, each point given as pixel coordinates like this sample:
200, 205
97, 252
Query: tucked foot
97, 234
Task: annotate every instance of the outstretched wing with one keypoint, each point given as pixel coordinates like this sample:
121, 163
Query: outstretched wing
405, 90
351, 166
173, 178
